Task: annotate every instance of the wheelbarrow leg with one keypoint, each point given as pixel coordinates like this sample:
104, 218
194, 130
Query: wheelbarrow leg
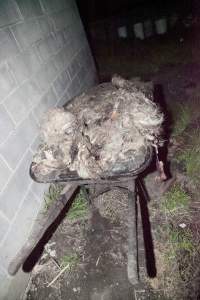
132, 267
92, 192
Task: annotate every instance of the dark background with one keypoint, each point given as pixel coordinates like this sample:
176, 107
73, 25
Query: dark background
94, 10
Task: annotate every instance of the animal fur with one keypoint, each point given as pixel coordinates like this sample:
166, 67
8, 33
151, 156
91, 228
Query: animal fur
103, 132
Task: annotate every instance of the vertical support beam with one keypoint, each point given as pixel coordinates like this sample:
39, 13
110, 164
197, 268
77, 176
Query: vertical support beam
132, 266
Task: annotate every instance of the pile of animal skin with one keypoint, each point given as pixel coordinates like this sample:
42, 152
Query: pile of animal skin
103, 132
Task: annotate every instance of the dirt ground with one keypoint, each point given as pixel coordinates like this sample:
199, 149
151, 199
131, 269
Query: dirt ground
92, 249
100, 245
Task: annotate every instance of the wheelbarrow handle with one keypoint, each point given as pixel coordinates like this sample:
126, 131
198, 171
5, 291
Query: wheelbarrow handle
42, 224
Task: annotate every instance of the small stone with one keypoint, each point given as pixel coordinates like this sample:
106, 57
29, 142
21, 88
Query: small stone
182, 225
52, 253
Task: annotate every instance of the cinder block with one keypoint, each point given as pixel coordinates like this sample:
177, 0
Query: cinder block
76, 34
68, 35
77, 25
48, 100
6, 124
4, 224
50, 6
89, 81
46, 25
18, 104
25, 65
68, 32
39, 189
47, 47
60, 40
3, 273
59, 60
58, 34
4, 282
92, 79
5, 174
13, 194
86, 60
80, 39
9, 13
82, 57
18, 141
27, 33
82, 73
62, 58
33, 92
45, 76
20, 228
61, 83
65, 98
29, 8
62, 19
74, 87
75, 44
35, 144
73, 67
84, 86
8, 46
7, 82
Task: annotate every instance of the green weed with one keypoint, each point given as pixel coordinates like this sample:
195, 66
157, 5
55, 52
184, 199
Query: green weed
181, 116
79, 207
71, 260
52, 195
190, 156
181, 239
176, 199
191, 160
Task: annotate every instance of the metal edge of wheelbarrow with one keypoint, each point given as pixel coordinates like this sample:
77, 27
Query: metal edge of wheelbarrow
73, 176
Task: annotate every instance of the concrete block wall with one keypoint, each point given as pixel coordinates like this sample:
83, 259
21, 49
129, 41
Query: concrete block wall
45, 60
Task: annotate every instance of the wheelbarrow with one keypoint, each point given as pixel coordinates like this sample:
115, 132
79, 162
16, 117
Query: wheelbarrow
127, 180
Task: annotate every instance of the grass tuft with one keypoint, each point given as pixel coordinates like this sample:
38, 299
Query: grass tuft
181, 115
52, 195
191, 160
79, 208
180, 239
71, 260
190, 156
176, 199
